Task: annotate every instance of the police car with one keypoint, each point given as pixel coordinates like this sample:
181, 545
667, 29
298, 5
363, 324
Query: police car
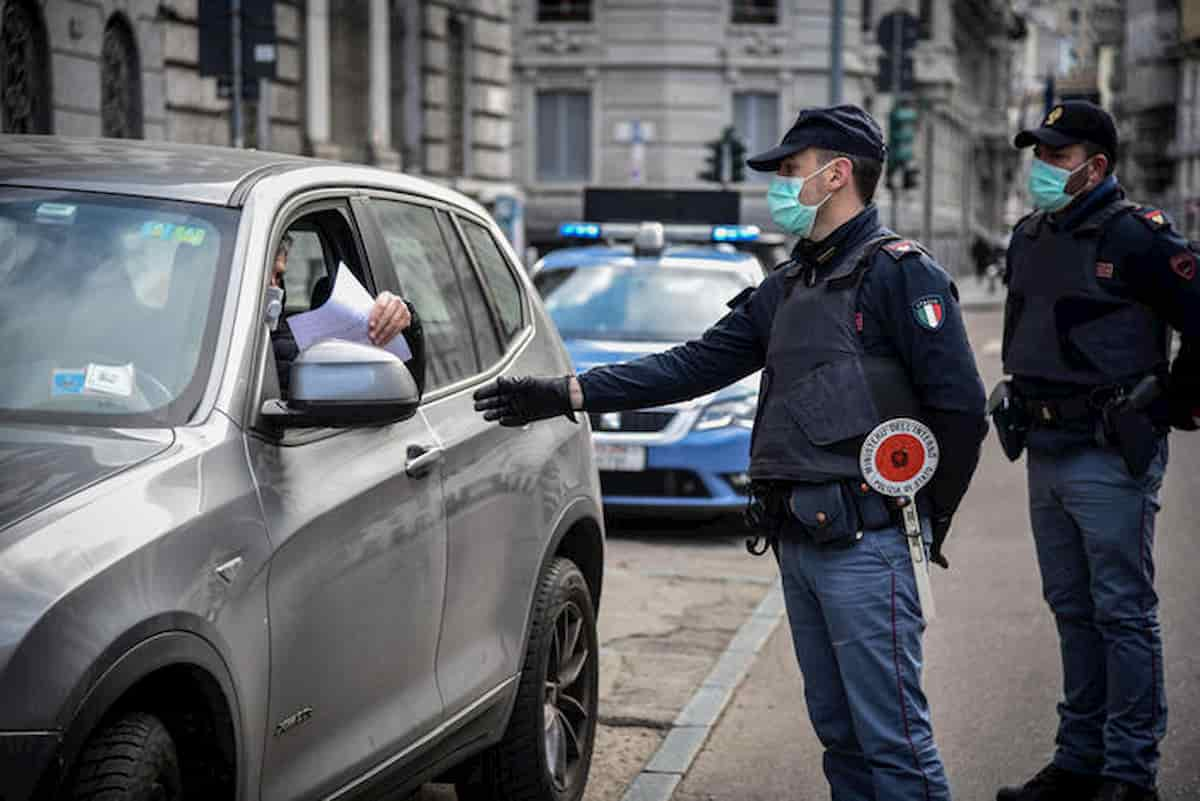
639, 289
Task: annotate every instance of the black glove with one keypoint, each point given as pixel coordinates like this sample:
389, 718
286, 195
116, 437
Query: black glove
941, 527
517, 401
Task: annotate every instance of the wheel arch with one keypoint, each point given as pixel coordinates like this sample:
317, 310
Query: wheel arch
180, 677
579, 536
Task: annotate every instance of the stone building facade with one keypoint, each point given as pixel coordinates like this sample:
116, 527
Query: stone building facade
685, 69
418, 85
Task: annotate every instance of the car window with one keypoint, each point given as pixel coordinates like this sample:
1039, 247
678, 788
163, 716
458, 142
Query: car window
636, 303
478, 309
307, 258
108, 305
428, 280
498, 276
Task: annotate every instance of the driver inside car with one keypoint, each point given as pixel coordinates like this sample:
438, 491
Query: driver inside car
389, 316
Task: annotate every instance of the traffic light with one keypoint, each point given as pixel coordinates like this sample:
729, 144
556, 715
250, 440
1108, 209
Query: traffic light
902, 127
737, 156
714, 162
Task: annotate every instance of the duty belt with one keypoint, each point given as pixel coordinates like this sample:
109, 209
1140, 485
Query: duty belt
1065, 412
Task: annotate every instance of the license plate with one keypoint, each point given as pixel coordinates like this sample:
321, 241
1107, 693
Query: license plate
628, 458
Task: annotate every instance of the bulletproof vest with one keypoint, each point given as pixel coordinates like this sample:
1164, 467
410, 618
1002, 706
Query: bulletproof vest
1060, 323
821, 393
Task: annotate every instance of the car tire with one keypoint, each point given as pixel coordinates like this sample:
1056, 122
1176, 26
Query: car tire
133, 759
546, 750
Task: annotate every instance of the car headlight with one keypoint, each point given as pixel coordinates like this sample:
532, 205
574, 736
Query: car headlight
736, 412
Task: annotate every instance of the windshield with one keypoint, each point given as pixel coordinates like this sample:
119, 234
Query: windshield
107, 306
637, 302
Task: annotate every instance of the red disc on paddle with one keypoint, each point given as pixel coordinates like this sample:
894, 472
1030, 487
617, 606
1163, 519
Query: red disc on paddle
900, 457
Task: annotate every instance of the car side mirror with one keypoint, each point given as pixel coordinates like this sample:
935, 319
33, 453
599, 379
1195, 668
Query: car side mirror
340, 384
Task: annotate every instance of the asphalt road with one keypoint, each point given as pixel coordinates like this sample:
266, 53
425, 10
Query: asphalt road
993, 673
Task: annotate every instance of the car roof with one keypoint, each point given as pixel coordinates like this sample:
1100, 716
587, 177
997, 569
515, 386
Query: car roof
171, 171
600, 255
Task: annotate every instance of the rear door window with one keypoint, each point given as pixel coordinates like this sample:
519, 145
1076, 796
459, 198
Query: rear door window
496, 271
427, 278
483, 317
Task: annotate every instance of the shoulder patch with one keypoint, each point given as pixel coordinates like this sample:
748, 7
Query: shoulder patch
1183, 264
929, 312
1155, 218
902, 248
740, 298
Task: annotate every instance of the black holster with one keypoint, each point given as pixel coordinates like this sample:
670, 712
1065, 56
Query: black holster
1010, 420
1132, 433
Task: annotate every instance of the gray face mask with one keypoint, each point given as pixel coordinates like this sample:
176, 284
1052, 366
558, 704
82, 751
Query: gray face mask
276, 298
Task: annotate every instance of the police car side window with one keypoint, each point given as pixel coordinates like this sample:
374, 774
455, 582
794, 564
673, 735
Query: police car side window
499, 277
428, 280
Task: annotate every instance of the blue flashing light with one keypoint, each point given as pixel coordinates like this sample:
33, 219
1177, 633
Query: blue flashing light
579, 230
735, 233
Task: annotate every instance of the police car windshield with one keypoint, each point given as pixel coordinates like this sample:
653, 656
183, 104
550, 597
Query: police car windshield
107, 305
633, 302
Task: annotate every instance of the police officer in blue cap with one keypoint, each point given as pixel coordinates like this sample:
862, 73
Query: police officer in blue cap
860, 326
1095, 282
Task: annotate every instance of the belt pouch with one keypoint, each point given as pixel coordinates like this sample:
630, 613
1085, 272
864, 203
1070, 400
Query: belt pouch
826, 513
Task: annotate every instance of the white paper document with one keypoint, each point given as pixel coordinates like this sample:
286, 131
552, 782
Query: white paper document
343, 316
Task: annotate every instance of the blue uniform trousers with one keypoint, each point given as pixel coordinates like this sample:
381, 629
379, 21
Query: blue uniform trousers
1093, 525
857, 627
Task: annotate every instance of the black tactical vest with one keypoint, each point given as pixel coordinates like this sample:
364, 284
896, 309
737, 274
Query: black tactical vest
821, 394
1060, 323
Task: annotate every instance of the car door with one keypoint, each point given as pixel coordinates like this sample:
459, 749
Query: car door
496, 526
356, 584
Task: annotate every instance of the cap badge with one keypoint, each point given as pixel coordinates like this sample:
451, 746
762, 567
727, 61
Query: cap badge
1053, 116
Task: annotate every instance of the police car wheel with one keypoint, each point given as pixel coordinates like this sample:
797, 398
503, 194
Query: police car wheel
132, 759
547, 749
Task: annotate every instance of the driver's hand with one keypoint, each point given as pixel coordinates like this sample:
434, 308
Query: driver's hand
389, 316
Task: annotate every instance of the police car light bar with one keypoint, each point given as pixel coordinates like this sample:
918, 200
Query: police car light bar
735, 233
673, 232
579, 230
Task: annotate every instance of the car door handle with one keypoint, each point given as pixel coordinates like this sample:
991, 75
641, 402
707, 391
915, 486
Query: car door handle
420, 459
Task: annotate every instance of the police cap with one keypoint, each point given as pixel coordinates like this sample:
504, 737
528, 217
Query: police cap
846, 129
1071, 122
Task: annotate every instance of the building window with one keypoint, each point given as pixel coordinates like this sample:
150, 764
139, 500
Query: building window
755, 12
456, 96
120, 81
564, 11
925, 18
24, 69
867, 12
756, 120
564, 136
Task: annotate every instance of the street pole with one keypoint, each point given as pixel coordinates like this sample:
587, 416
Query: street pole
835, 53
263, 138
927, 212
897, 52
235, 35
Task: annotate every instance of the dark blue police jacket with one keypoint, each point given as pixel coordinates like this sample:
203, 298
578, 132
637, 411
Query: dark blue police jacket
907, 311
1140, 258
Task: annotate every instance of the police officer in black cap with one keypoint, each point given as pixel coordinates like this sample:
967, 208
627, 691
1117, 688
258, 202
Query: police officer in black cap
1095, 282
858, 327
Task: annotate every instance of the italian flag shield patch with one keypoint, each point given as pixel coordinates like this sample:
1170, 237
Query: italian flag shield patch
929, 312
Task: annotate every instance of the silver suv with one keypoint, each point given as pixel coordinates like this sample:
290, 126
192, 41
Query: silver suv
231, 571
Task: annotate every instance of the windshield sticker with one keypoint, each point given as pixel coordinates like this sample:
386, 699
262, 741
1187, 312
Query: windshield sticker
106, 379
67, 382
59, 213
188, 234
